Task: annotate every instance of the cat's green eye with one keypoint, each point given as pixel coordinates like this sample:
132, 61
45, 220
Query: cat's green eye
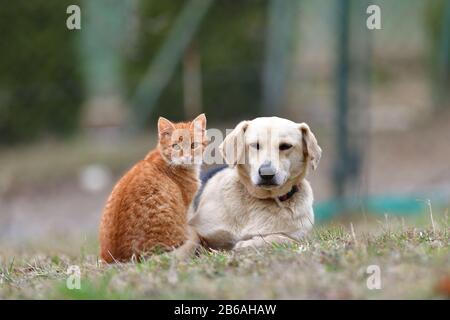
194, 145
176, 146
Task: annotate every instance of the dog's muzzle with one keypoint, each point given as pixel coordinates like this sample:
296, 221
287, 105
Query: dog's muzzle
266, 174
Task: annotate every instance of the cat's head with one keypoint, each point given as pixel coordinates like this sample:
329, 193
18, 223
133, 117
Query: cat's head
182, 143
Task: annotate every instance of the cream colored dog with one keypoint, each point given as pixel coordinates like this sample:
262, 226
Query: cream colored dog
263, 196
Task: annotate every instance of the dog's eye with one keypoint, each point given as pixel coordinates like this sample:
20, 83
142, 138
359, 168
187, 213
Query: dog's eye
176, 146
285, 146
255, 145
194, 145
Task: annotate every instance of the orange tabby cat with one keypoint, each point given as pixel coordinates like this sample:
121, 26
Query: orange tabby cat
147, 209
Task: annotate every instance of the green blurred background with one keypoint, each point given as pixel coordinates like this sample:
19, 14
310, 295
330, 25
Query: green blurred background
79, 107
45, 84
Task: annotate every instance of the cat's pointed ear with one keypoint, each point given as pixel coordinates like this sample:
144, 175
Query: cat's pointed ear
199, 123
164, 126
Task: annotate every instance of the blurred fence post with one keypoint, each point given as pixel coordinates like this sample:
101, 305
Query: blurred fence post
103, 33
443, 72
342, 84
352, 104
163, 65
192, 81
280, 36
360, 115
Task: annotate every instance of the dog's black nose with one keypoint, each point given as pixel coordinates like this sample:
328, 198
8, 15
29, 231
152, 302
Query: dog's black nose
266, 171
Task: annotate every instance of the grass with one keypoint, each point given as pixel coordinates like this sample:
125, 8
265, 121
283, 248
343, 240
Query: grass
414, 258
330, 264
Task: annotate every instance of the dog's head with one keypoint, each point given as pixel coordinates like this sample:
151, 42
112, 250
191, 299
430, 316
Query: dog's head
271, 154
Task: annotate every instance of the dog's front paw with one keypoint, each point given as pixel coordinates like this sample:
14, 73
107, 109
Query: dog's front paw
244, 244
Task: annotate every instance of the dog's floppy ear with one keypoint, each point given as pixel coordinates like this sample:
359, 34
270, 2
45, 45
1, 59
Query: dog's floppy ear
233, 146
311, 148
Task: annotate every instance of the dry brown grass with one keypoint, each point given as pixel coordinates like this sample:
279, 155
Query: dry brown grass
330, 264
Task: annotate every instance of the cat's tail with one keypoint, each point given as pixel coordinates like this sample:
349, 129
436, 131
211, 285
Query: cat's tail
188, 248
